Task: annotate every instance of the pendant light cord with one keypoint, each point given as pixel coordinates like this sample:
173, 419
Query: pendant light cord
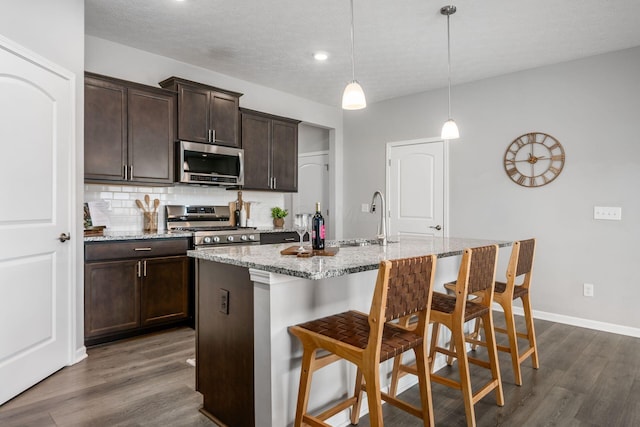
448, 61
353, 62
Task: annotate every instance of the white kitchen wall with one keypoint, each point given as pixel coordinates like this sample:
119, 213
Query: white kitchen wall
592, 106
124, 215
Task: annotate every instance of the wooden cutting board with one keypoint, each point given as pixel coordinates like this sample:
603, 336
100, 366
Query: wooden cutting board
293, 250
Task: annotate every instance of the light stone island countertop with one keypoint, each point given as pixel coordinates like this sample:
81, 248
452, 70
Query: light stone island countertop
349, 259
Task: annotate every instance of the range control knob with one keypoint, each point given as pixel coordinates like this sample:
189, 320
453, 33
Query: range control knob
206, 239
230, 238
252, 237
216, 239
244, 238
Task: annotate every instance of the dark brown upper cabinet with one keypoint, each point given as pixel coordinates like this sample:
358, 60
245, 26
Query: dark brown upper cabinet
129, 132
206, 113
270, 146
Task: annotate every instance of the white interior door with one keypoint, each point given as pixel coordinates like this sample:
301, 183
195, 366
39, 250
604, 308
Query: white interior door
36, 132
415, 188
313, 186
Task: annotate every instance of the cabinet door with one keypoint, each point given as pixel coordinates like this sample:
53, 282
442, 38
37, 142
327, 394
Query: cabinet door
257, 153
151, 136
165, 289
224, 119
105, 130
284, 157
193, 113
111, 297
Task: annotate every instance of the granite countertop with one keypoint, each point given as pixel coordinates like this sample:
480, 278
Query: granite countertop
349, 259
136, 235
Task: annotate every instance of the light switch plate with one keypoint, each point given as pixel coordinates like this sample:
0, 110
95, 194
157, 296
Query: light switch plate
364, 207
608, 213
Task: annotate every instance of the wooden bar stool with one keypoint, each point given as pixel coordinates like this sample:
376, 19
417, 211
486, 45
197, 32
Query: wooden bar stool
476, 275
404, 287
520, 265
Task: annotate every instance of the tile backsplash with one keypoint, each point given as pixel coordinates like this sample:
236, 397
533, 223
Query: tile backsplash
124, 215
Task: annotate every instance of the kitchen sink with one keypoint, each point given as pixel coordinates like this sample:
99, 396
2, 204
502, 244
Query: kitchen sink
360, 242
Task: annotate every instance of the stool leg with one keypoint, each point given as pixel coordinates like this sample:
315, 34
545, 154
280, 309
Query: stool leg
513, 342
357, 393
395, 376
487, 322
306, 373
372, 381
424, 382
435, 330
528, 316
457, 335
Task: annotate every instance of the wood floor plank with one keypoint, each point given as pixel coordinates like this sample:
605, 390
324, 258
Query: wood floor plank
586, 378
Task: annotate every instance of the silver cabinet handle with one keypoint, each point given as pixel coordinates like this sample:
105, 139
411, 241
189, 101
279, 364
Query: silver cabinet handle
63, 237
275, 182
437, 227
126, 177
291, 239
142, 249
145, 268
138, 269
131, 173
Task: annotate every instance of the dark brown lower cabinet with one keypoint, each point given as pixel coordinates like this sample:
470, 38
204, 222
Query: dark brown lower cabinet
125, 297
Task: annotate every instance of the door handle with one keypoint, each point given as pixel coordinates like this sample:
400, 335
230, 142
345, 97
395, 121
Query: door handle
437, 227
64, 237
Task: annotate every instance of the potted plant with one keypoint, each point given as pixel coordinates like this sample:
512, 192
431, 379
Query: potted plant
278, 216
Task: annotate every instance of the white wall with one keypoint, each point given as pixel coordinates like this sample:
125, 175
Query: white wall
116, 60
312, 139
592, 107
55, 30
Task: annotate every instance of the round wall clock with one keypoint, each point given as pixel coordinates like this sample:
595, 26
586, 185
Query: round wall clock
534, 159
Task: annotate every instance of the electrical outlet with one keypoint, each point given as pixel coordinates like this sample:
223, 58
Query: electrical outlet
608, 213
364, 207
224, 301
587, 290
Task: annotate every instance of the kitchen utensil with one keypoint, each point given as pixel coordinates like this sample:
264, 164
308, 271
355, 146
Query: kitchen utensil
140, 205
156, 204
147, 201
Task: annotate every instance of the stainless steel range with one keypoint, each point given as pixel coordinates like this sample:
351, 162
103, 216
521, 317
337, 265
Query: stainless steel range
211, 226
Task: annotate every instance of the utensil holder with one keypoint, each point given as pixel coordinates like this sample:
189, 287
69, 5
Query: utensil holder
150, 222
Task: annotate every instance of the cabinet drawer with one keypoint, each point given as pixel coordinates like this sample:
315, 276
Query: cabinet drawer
131, 249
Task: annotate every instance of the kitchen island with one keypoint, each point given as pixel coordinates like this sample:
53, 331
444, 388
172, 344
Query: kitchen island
248, 365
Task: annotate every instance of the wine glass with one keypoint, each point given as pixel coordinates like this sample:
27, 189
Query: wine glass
301, 225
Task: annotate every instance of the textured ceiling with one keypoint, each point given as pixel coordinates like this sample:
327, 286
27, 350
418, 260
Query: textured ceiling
400, 45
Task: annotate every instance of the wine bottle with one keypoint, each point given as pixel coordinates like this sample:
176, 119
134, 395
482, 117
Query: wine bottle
317, 229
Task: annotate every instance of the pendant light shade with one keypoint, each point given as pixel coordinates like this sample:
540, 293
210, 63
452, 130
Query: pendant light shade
353, 96
450, 128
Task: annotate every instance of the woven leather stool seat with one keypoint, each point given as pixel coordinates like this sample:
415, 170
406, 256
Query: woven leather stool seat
518, 291
447, 304
404, 288
352, 327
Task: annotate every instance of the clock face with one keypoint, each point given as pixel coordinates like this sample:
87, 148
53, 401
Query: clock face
534, 159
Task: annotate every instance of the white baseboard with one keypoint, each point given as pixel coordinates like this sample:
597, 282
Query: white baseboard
583, 323
79, 355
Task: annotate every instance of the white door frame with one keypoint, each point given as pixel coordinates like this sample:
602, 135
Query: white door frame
445, 178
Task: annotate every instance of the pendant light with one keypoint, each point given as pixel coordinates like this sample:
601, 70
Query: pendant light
450, 128
353, 96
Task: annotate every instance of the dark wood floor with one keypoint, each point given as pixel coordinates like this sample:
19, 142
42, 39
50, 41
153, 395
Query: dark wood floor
586, 378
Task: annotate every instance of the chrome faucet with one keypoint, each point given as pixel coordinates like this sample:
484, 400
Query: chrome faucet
382, 227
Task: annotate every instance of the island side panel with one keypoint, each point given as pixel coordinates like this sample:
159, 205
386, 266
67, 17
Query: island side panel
224, 355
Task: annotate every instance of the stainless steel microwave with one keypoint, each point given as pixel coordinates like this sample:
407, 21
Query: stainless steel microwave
209, 164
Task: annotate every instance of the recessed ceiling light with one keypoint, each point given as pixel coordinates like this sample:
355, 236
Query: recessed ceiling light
320, 56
